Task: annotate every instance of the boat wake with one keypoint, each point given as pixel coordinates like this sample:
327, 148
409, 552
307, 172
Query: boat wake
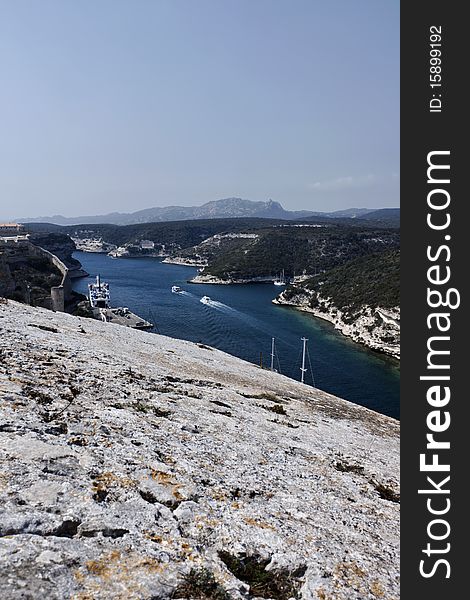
256, 325
252, 322
221, 306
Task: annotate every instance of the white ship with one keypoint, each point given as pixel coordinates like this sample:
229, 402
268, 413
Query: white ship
98, 294
281, 280
205, 300
176, 289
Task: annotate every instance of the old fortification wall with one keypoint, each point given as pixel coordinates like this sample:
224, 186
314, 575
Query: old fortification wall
60, 294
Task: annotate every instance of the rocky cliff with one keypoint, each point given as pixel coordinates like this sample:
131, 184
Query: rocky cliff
136, 466
360, 297
377, 328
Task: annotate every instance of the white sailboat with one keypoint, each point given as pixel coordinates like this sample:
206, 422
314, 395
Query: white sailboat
281, 280
303, 368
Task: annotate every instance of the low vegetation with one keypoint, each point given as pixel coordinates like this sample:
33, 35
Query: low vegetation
200, 584
294, 249
266, 247
279, 584
173, 235
372, 280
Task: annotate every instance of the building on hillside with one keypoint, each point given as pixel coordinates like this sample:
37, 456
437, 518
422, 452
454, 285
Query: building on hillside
11, 229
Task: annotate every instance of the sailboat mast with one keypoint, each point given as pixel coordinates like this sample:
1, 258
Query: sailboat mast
302, 368
272, 354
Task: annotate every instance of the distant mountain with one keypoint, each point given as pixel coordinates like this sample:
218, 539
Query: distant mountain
382, 217
349, 213
217, 209
382, 213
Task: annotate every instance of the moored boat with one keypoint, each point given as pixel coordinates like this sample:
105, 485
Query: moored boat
281, 280
98, 294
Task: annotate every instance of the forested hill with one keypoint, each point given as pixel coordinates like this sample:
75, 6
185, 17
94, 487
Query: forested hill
372, 280
290, 248
240, 249
361, 298
176, 234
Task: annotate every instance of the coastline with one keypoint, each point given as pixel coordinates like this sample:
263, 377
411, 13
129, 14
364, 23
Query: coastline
165, 257
357, 331
136, 255
212, 279
250, 300
184, 262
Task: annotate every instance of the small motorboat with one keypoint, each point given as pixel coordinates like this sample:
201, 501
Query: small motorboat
205, 299
176, 289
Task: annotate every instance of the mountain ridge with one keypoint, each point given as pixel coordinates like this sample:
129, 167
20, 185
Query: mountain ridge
222, 208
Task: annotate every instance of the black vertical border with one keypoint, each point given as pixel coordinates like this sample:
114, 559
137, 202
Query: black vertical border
422, 132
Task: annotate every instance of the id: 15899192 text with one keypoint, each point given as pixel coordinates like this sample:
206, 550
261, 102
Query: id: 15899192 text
435, 68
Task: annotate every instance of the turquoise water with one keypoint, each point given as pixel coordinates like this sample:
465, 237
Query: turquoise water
241, 320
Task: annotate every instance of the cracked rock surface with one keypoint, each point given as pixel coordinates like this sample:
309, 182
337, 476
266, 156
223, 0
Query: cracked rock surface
136, 466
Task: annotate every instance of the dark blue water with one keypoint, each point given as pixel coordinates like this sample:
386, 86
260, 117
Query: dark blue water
241, 320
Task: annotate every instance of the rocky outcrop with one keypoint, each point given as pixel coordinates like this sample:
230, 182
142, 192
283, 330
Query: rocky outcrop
142, 467
375, 327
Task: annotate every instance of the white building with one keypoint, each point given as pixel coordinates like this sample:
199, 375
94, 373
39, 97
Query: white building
11, 229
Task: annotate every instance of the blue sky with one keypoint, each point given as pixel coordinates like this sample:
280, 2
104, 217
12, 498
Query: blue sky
122, 105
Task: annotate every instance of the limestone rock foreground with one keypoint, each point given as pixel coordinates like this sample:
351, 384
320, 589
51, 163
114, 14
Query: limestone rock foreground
136, 466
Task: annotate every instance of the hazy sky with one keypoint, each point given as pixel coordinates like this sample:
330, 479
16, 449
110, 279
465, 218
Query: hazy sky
121, 105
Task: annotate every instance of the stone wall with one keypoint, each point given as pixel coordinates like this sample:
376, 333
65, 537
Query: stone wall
60, 294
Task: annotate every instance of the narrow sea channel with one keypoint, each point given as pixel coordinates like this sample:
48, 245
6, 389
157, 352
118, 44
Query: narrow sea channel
241, 320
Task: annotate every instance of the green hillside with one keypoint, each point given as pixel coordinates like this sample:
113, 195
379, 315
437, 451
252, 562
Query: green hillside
294, 249
372, 280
